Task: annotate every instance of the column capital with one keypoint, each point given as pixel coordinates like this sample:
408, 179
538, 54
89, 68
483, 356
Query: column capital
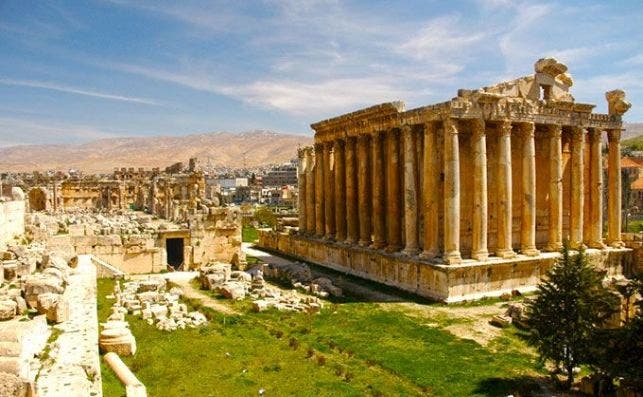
338, 143
450, 126
614, 135
528, 129
555, 130
594, 132
477, 126
505, 127
406, 128
577, 132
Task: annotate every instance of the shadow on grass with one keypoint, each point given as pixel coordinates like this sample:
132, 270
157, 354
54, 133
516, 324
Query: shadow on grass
521, 386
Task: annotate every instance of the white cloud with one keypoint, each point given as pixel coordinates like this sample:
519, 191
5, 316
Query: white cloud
73, 90
439, 38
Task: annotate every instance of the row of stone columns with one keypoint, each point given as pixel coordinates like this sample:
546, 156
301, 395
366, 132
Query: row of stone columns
346, 199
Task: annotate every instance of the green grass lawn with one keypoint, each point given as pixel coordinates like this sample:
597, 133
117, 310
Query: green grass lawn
349, 349
249, 234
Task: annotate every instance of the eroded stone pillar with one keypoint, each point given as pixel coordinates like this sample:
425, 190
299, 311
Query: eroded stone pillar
577, 188
319, 191
596, 190
310, 191
451, 193
352, 229
377, 178
329, 192
411, 246
301, 186
555, 233
340, 190
363, 183
528, 213
614, 188
505, 192
394, 226
430, 192
480, 215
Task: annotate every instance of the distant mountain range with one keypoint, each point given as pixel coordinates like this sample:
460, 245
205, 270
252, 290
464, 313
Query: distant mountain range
253, 148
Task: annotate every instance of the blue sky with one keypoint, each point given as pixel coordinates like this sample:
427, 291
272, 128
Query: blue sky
72, 71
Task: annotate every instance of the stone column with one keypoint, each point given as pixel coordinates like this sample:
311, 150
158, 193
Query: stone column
505, 192
411, 247
352, 229
301, 186
528, 213
394, 232
614, 188
310, 191
578, 189
363, 185
377, 179
555, 233
319, 190
329, 192
430, 192
596, 190
340, 190
480, 215
451, 193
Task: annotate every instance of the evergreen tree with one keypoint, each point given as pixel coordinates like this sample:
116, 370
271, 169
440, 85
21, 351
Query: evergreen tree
570, 305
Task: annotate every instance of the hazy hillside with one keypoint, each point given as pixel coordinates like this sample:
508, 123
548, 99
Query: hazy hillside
632, 130
222, 148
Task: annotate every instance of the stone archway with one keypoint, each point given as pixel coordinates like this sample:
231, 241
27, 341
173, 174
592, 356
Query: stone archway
38, 199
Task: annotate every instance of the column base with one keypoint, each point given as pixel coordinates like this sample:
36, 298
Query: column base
554, 247
350, 241
506, 253
577, 245
410, 251
480, 255
364, 243
377, 245
617, 244
392, 248
530, 251
597, 244
329, 237
428, 254
452, 258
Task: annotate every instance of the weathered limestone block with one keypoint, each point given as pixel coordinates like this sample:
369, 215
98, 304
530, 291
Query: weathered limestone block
501, 321
232, 290
8, 309
54, 306
39, 284
10, 269
214, 274
13, 386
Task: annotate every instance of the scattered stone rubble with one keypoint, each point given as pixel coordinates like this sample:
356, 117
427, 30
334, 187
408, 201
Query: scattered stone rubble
515, 314
33, 293
154, 301
220, 278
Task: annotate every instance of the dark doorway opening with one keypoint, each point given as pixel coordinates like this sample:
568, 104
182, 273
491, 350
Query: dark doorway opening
174, 248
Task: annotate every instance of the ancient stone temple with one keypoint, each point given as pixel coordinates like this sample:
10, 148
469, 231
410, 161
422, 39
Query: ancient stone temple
465, 198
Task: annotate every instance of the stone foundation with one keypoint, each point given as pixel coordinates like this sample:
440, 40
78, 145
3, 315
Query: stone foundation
449, 283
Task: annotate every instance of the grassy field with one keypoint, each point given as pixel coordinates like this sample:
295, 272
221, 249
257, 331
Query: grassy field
350, 349
249, 234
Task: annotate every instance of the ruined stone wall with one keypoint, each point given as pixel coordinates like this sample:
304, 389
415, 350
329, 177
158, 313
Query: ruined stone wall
12, 221
217, 237
135, 256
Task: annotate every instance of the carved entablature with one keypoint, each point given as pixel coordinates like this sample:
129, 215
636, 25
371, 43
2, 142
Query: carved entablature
542, 98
